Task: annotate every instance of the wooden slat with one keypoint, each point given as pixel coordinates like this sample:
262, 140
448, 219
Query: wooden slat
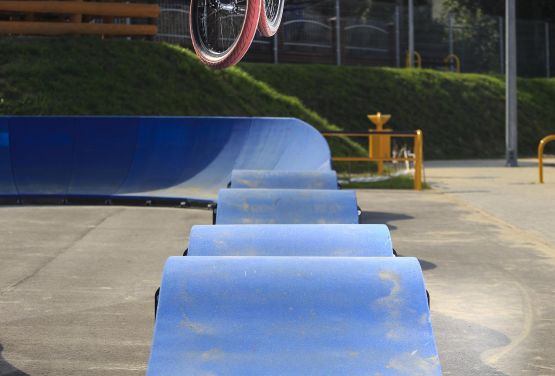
87, 8
77, 18
62, 28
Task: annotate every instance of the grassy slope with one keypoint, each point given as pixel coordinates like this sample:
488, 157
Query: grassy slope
462, 115
92, 77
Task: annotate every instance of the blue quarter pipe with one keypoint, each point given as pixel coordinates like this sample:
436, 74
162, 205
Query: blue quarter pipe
147, 157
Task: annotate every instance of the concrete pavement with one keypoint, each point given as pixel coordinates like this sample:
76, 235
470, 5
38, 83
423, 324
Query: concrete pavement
511, 194
77, 286
77, 283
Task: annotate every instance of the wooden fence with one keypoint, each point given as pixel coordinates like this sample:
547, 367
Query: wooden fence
78, 17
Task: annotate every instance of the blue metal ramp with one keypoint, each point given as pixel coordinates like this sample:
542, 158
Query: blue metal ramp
286, 206
291, 240
283, 179
293, 316
145, 158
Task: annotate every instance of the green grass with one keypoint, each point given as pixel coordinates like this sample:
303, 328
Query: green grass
397, 182
81, 76
462, 115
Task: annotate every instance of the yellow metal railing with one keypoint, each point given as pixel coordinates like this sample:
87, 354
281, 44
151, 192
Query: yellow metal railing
417, 60
452, 57
541, 148
418, 158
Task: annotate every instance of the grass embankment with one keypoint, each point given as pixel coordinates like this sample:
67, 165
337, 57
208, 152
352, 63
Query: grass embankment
462, 115
81, 76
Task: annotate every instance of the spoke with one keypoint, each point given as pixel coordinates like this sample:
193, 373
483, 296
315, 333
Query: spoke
221, 31
219, 24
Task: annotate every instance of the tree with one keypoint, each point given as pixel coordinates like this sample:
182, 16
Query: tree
476, 34
527, 9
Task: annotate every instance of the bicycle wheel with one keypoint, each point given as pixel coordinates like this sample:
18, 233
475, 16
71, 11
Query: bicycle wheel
270, 16
222, 30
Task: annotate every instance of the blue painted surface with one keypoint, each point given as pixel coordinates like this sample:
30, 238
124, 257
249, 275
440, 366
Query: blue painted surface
284, 179
178, 157
293, 316
286, 206
6, 175
291, 240
242, 315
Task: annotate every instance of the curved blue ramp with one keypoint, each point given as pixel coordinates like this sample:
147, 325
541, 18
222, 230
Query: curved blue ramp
284, 179
291, 240
286, 206
293, 316
147, 157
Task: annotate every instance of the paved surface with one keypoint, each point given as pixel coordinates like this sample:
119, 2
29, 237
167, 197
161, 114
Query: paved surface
77, 286
76, 283
511, 194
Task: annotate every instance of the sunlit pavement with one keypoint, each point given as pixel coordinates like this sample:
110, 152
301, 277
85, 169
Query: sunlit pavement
485, 238
77, 283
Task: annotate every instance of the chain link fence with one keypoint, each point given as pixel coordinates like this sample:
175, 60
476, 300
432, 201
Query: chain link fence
329, 32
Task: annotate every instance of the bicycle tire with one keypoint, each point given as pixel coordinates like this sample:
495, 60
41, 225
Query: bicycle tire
269, 27
240, 46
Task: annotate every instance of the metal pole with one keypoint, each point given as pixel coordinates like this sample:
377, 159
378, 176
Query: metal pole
411, 33
276, 44
451, 40
451, 24
511, 86
338, 31
501, 46
419, 160
398, 36
547, 50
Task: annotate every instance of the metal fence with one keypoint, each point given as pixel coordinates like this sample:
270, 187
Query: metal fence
326, 32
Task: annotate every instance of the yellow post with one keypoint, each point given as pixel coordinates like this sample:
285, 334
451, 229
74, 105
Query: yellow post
418, 59
379, 148
541, 148
419, 160
456, 59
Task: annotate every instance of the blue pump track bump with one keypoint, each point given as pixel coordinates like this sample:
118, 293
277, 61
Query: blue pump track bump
286, 206
291, 240
284, 179
293, 316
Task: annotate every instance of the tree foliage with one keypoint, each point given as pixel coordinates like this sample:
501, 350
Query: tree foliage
527, 9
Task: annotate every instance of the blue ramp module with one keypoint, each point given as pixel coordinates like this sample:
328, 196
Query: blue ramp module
293, 316
283, 179
286, 206
291, 240
147, 158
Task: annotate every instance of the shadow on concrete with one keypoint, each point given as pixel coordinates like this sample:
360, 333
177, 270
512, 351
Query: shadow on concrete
461, 344
6, 369
467, 191
369, 218
426, 265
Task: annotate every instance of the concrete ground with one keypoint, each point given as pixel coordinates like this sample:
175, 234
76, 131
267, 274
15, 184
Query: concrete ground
76, 283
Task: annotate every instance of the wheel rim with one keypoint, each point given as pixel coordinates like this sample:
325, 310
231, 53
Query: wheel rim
218, 25
272, 10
